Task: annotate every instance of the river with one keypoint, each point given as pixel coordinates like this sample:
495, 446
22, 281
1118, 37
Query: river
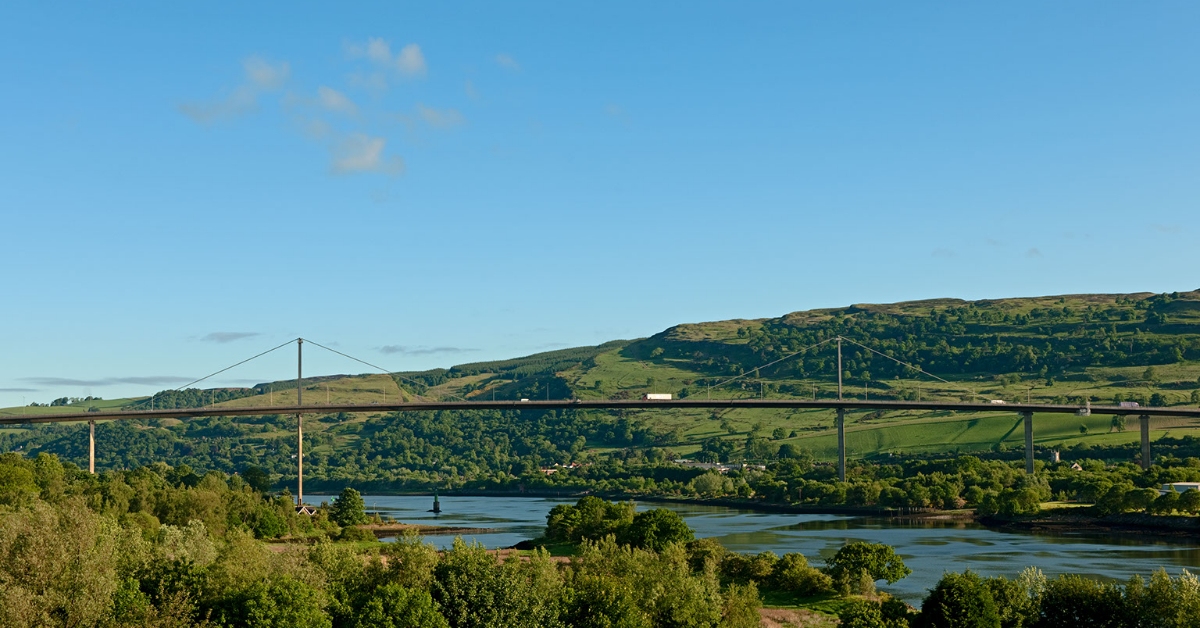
928, 547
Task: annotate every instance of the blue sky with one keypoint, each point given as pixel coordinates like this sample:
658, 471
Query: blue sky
430, 184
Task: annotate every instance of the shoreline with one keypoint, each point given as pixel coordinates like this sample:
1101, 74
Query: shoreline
1047, 522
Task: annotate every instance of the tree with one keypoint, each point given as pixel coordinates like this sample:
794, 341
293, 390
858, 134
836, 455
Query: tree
792, 573
856, 561
1073, 600
960, 600
257, 478
656, 529
284, 603
348, 508
863, 614
393, 606
779, 433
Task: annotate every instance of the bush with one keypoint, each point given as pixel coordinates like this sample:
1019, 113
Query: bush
744, 568
960, 601
793, 574
857, 565
283, 603
861, 614
656, 529
393, 606
356, 534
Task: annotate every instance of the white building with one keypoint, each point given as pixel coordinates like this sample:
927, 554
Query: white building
1179, 487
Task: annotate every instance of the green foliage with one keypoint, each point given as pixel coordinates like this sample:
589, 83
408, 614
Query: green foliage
476, 591
283, 602
656, 529
960, 601
590, 518
865, 613
860, 562
793, 574
348, 508
394, 606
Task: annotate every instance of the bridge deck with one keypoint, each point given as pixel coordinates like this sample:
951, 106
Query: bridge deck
603, 404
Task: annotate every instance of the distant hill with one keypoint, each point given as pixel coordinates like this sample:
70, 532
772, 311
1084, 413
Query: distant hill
1096, 348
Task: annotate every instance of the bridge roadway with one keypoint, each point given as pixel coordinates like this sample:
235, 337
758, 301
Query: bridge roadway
605, 404
1025, 410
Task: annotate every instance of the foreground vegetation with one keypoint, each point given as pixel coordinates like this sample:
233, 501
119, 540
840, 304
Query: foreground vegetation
162, 546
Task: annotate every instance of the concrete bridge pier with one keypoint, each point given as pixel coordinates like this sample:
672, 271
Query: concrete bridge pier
1028, 416
92, 447
841, 430
1144, 420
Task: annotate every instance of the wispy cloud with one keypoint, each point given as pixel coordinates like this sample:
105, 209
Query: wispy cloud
943, 253
993, 242
18, 390
507, 62
222, 337
332, 100
359, 152
411, 350
440, 118
469, 89
260, 76
1033, 252
409, 62
154, 380
1166, 228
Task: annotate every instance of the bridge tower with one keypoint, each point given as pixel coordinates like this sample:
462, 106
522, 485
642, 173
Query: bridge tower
1144, 422
299, 423
841, 420
1027, 415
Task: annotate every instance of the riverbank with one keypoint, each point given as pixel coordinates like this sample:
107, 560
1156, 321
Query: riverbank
384, 530
1058, 522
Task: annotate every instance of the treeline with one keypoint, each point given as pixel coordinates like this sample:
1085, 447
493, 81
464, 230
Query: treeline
163, 546
471, 449
957, 340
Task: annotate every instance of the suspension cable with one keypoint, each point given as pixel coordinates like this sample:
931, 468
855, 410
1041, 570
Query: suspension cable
379, 368
235, 365
769, 364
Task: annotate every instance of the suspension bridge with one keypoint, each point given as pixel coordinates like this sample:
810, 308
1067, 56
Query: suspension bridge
840, 405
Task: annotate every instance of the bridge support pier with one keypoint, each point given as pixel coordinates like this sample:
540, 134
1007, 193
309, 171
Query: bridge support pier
1028, 417
841, 431
92, 447
1144, 420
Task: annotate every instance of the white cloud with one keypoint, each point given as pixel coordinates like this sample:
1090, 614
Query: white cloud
506, 61
359, 152
265, 76
260, 76
410, 61
440, 118
333, 100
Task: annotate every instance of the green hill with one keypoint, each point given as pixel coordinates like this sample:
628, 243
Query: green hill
1096, 348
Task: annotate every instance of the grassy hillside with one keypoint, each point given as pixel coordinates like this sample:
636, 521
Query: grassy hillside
1075, 348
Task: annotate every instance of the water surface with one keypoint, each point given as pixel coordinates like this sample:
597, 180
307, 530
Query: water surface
928, 547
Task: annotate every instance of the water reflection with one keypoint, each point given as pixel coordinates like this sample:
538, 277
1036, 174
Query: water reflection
928, 547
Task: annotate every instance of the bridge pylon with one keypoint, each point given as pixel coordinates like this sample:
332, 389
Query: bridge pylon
1144, 424
841, 435
1027, 415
